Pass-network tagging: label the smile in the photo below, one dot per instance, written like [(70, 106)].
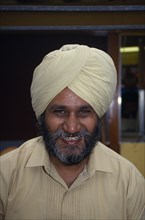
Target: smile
[(71, 138)]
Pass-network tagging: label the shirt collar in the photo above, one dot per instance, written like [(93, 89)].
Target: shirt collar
[(39, 155), (99, 159)]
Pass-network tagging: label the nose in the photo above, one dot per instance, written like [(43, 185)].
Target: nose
[(71, 124)]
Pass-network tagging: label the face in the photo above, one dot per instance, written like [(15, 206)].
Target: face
[(70, 128)]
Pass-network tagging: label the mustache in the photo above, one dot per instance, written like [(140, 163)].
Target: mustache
[(68, 156), (62, 134), (88, 137)]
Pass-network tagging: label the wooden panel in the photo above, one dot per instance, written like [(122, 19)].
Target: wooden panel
[(71, 18), (113, 50)]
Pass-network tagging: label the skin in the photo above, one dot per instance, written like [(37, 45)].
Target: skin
[(71, 114)]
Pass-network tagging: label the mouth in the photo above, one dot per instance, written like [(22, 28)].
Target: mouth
[(71, 140)]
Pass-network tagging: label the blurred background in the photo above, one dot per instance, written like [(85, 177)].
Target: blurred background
[(31, 28)]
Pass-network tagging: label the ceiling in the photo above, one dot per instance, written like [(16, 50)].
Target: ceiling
[(73, 2)]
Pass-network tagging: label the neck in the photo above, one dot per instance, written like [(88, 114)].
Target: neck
[(68, 173)]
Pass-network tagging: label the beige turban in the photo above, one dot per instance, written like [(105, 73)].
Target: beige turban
[(89, 72)]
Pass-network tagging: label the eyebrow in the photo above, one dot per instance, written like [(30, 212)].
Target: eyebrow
[(53, 107), (56, 106), (86, 107)]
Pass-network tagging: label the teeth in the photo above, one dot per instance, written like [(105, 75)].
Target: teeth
[(71, 138)]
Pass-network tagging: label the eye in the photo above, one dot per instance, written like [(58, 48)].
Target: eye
[(84, 112), (59, 112)]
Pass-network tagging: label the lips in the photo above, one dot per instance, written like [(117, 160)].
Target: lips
[(71, 140)]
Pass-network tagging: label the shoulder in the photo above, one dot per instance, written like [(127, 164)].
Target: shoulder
[(125, 177), (116, 162), (21, 154), (119, 170), (15, 161)]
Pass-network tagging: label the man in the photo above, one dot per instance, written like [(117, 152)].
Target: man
[(67, 173)]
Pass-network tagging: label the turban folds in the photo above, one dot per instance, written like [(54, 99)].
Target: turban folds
[(88, 72)]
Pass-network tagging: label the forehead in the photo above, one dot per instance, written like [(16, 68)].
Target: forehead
[(68, 98)]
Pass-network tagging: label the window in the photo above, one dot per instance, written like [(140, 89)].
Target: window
[(133, 88)]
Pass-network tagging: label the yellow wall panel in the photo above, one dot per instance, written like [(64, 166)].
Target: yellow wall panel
[(135, 152)]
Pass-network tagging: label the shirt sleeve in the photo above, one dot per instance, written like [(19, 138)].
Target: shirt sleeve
[(6, 174), (136, 195), (3, 193)]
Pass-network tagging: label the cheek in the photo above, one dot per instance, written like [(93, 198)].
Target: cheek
[(53, 124), (90, 125)]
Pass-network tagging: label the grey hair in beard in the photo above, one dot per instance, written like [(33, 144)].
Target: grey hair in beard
[(69, 158)]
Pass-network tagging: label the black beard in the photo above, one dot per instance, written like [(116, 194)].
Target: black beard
[(69, 156)]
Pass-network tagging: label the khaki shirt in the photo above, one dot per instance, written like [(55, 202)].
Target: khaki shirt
[(110, 187)]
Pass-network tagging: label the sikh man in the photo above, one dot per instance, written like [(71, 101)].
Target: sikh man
[(67, 173)]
